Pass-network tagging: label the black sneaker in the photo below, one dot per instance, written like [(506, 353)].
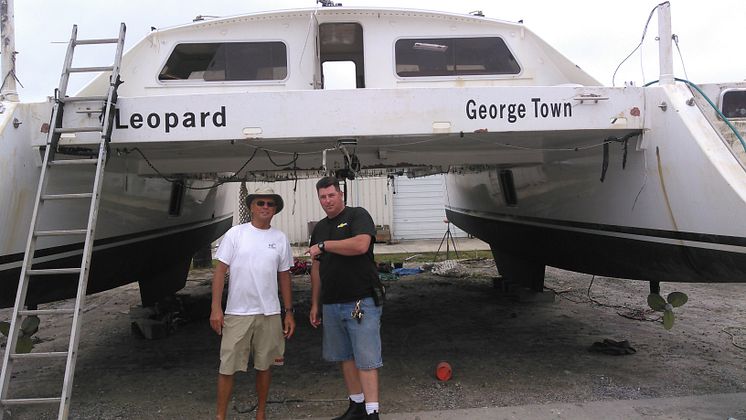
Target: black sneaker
[(356, 411), (373, 416)]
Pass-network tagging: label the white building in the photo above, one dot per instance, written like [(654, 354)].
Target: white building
[(412, 208)]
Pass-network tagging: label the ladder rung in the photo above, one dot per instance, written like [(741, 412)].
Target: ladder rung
[(90, 111), (60, 232), (27, 312), (73, 162), (84, 98), (96, 41), (52, 271), (43, 355), (78, 129), (90, 69), (66, 196), (26, 401)]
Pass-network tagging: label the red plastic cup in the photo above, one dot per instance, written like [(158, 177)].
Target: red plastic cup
[(443, 371)]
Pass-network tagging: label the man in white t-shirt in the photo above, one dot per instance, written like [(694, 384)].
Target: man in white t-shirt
[(259, 258)]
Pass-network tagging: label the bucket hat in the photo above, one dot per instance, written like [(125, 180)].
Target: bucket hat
[(266, 192)]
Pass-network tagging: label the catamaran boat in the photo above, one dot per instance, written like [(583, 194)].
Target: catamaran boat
[(542, 162)]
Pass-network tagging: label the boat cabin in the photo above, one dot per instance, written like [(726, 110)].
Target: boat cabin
[(342, 48)]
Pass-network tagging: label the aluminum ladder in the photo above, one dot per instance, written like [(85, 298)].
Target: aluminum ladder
[(52, 164)]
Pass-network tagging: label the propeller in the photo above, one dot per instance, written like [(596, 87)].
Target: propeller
[(673, 300)]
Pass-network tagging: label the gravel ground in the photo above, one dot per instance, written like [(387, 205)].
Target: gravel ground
[(505, 350)]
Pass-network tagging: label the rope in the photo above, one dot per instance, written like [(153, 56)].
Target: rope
[(644, 31), (733, 336), (172, 180), (244, 214)]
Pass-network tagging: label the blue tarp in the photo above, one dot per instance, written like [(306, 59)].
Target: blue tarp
[(407, 271)]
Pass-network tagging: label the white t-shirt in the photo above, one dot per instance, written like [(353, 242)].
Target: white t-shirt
[(254, 256)]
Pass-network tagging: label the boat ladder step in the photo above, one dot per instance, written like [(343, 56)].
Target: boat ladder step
[(61, 162), (90, 69), (29, 401), (84, 99), (96, 41), (40, 355), (66, 196), (67, 130), (60, 232), (35, 312), (53, 271)]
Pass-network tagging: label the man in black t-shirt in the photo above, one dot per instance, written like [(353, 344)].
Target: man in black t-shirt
[(343, 278)]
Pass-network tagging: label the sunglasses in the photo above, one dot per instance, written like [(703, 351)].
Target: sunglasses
[(261, 203)]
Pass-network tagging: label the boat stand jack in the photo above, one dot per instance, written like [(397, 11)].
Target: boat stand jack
[(447, 237)]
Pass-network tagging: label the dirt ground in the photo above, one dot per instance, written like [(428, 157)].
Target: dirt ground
[(504, 351)]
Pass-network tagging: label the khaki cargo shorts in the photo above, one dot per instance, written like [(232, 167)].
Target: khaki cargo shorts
[(258, 336)]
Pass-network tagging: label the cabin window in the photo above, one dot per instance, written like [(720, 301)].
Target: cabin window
[(421, 57), (733, 103), (227, 61)]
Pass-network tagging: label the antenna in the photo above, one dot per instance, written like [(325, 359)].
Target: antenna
[(8, 90), (200, 18), (328, 3)]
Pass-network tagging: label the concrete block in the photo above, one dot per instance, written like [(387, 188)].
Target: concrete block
[(148, 323), (152, 329)]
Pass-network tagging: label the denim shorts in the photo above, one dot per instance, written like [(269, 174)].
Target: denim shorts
[(346, 339)]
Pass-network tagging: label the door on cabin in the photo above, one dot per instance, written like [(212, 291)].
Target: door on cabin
[(341, 55)]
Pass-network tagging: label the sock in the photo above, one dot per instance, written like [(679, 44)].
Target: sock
[(358, 398), (371, 407)]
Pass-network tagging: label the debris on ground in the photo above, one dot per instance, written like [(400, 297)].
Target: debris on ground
[(387, 276), (612, 347), (449, 268), (300, 266), (384, 267)]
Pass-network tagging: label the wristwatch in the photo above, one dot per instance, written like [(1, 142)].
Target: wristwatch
[(321, 246), (288, 310)]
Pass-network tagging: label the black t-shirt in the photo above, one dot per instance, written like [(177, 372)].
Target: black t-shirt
[(346, 278)]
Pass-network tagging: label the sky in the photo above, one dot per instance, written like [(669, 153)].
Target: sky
[(595, 35)]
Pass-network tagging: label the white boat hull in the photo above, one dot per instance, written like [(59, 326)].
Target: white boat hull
[(658, 207), (136, 238), (669, 208)]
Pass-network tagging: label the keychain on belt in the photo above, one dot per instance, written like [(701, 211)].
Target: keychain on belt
[(357, 313)]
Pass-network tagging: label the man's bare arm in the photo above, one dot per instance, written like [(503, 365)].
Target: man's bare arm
[(357, 245), (218, 283), (315, 315), (286, 291)]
